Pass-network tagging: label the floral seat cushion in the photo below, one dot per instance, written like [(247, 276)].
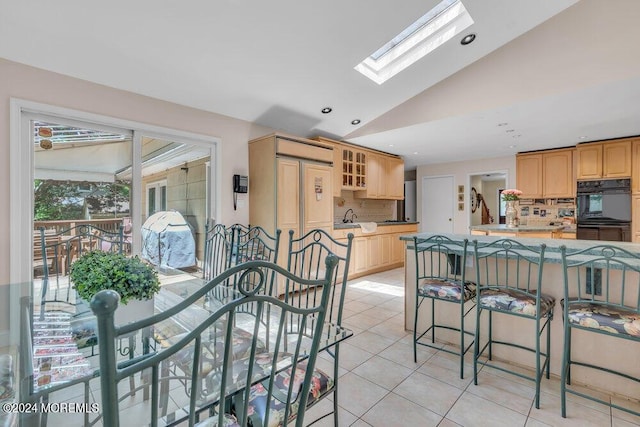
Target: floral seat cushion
[(447, 289), (213, 351), (516, 301), (229, 421), (612, 319), (321, 384)]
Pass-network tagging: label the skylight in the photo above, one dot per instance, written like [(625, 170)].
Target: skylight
[(446, 20)]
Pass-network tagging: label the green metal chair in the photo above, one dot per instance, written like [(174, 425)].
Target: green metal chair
[(229, 388), (509, 283), (305, 259), (440, 276), (601, 297), (218, 243)]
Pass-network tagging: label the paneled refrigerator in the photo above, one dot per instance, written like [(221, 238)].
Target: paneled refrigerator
[(290, 186)]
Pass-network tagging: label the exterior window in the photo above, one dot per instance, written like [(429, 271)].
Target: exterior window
[(156, 197)]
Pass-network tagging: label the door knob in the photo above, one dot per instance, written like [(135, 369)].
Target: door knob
[(449, 219)]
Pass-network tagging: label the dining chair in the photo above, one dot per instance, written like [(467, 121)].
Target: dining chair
[(509, 283), (602, 302), (306, 259), (441, 278), (218, 245), (58, 250), (285, 378)]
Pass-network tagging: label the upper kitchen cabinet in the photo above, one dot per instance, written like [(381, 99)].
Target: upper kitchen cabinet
[(635, 166), (354, 169), (547, 174), (337, 163), (385, 178), (611, 159), (558, 179), (529, 175), (395, 178)]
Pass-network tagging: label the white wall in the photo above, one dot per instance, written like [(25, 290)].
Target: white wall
[(461, 172)]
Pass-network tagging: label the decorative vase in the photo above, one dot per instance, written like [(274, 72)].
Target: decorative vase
[(511, 213)]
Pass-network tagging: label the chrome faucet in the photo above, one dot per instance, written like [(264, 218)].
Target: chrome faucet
[(353, 215)]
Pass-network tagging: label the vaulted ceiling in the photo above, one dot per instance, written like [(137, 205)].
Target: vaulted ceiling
[(540, 74)]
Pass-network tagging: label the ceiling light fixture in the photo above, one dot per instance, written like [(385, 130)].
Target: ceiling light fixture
[(355, 122), (326, 110), (415, 152), (583, 137), (512, 146), (468, 39), (445, 21)]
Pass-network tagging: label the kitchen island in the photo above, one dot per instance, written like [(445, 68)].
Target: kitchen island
[(606, 351), (535, 231)]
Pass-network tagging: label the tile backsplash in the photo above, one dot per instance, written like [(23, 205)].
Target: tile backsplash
[(366, 210), (545, 212)]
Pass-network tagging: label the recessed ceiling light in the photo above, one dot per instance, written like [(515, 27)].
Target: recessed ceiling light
[(415, 152), (326, 110), (390, 145), (512, 146), (502, 124), (355, 122), (583, 137), (469, 38)]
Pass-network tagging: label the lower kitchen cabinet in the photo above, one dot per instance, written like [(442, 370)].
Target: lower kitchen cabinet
[(380, 251), (359, 255)]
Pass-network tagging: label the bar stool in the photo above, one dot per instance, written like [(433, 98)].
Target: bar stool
[(509, 283), (440, 276), (601, 297)]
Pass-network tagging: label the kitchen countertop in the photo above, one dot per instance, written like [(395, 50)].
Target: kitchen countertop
[(343, 225), (519, 229)]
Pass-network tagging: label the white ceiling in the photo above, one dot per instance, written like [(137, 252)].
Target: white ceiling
[(554, 70)]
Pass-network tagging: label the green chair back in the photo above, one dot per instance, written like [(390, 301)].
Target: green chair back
[(226, 388)]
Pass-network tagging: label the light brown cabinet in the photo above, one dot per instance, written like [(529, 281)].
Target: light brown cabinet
[(635, 219), (558, 179), (395, 178), (547, 174), (385, 178), (611, 159), (635, 166), (529, 175), (378, 251), (354, 169), (369, 174)]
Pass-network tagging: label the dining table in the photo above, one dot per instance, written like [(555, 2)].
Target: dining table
[(59, 350)]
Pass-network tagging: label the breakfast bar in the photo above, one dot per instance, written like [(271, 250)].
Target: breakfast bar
[(603, 351)]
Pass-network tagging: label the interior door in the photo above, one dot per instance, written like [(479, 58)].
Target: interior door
[(437, 204), (318, 197)]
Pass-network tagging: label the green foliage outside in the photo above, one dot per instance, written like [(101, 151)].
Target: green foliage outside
[(63, 200), (129, 277)]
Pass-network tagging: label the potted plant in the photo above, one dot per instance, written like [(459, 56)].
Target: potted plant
[(129, 276)]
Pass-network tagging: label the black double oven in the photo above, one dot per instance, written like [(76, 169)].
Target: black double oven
[(604, 210)]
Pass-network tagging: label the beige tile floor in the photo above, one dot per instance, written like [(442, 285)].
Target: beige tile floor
[(380, 385)]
